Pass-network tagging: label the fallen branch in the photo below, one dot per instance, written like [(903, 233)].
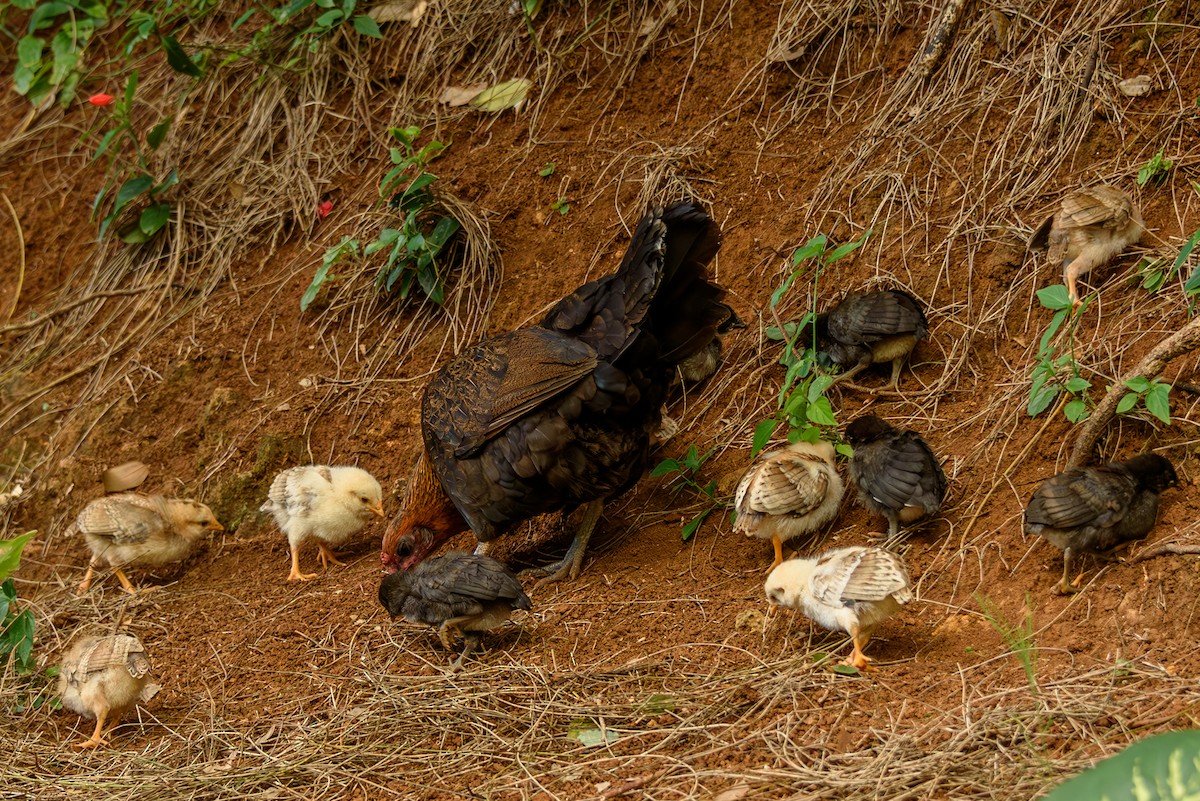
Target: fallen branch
[(1167, 548), (1185, 340)]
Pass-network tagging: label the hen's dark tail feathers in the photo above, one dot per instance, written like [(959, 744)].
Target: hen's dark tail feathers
[(661, 287)]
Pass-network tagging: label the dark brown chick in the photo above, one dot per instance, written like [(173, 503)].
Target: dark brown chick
[(101, 677), (1098, 509), (560, 415), (867, 328), (462, 594), (1091, 227), (895, 471), (703, 363), (133, 530)]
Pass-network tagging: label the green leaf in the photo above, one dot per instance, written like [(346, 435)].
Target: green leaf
[(1056, 322), (159, 132), (329, 19), (814, 247), (29, 51), (845, 449), (387, 238), (1055, 297), (1158, 402), (664, 467), (845, 670), (1128, 402), (1076, 384), (1075, 410), (691, 459), (131, 190), (690, 528), (106, 141), (65, 56), (1193, 282), (845, 250), (1163, 767), (589, 735), (405, 136), (171, 180), (820, 412), (1041, 399), (1138, 383), (178, 59), (548, 170), (367, 26), (762, 435), (431, 283), (10, 554), (442, 232), (154, 217), (509, 94)]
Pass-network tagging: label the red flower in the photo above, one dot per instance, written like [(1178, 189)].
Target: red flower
[(324, 209), (101, 99)]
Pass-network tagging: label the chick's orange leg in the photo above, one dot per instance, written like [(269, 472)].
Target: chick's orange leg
[(125, 582), (87, 579), (296, 575), (858, 659), (327, 556), (778, 543), (96, 738)]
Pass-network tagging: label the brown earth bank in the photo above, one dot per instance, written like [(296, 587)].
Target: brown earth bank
[(659, 673)]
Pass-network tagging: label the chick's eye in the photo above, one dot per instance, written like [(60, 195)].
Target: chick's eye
[(365, 500)]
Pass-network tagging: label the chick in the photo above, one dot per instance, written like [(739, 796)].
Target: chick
[(101, 677), (464, 594), (896, 473), (704, 362), (1090, 228), (867, 328), (788, 492), (850, 589), (1096, 509), (129, 529), (329, 503)]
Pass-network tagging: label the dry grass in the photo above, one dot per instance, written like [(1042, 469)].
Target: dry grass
[(259, 148)]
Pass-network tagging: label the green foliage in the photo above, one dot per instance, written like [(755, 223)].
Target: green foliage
[(1155, 169), (1192, 286), (330, 15), (1154, 394), (548, 170), (49, 55), (688, 470), (1017, 636), (562, 206), (1164, 767), (16, 627), (425, 229), (1057, 371), (802, 405)]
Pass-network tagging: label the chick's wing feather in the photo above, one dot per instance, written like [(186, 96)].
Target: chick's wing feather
[(782, 486), (1096, 496), (123, 519), (869, 317), (1100, 206)]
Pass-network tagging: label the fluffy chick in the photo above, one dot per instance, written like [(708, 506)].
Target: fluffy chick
[(101, 677), (1091, 227), (704, 362), (867, 328), (850, 589), (462, 594), (895, 471), (328, 503), (129, 529), (788, 492), (1097, 509)]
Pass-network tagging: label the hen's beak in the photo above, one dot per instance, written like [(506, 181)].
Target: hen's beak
[(378, 510)]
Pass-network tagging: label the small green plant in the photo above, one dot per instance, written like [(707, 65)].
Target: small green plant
[(1163, 767), (324, 274), (688, 470), (548, 170), (1017, 636), (802, 404), (16, 627), (1056, 372), (1155, 169), (562, 206), (43, 70), (1154, 394)]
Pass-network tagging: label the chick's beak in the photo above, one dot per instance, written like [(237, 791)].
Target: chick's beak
[(216, 525), (377, 509)]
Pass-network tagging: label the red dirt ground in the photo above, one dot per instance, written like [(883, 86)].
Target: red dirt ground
[(228, 395)]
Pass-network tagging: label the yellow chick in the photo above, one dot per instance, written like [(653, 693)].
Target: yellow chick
[(328, 503), (129, 529), (101, 677), (1090, 228), (787, 492), (850, 589)]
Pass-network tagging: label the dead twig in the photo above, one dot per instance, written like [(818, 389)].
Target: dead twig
[(1164, 549), (1185, 340)]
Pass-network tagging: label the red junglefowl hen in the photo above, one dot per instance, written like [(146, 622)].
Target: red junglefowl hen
[(895, 471), (1090, 229), (462, 593), (560, 415), (867, 328), (1097, 509)]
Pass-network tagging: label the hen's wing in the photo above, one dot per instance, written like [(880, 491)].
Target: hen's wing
[(860, 574), (1093, 496)]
